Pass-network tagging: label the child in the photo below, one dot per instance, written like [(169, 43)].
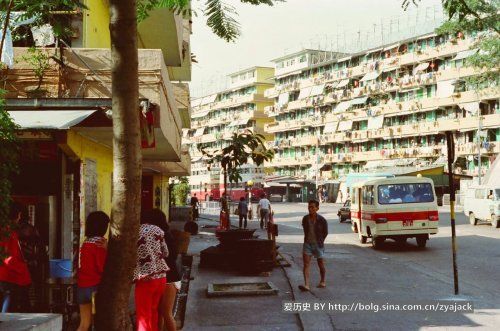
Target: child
[(92, 260)]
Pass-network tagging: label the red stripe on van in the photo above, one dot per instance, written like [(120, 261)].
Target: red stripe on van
[(400, 216)]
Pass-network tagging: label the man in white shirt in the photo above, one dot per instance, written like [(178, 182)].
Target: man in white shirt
[(265, 210)]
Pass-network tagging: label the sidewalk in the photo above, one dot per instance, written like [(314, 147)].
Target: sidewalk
[(233, 313)]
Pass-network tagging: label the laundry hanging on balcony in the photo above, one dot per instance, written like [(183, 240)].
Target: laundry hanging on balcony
[(445, 88), (421, 67)]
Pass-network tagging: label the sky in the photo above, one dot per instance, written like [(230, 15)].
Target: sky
[(270, 32)]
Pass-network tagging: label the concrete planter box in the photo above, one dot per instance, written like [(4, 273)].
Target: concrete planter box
[(241, 289)]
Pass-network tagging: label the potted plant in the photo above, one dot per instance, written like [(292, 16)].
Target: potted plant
[(39, 61)]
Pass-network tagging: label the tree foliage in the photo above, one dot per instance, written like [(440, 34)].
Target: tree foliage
[(180, 192), (242, 147), (54, 12)]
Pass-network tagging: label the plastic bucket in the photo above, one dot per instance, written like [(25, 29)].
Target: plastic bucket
[(61, 268)]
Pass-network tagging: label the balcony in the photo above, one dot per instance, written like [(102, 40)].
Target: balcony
[(472, 149)]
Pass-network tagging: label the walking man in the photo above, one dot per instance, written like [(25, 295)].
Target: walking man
[(194, 206), (243, 212), (315, 232), (265, 210)]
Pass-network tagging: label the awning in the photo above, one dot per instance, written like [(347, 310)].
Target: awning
[(56, 119), (370, 76), (445, 88), (305, 92), (200, 114), (343, 59), (345, 126), (420, 67), (331, 85), (465, 54), (330, 127), (208, 99), (196, 102), (342, 107), (296, 72), (375, 122), (359, 101), (317, 90), (240, 122), (471, 107), (342, 83), (391, 68), (391, 47), (374, 50), (199, 132), (283, 99)]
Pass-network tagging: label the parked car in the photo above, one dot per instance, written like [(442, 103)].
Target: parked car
[(345, 211), (483, 203)]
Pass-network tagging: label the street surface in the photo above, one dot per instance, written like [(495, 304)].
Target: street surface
[(357, 273)]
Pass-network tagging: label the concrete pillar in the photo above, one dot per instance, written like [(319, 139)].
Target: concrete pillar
[(287, 193)]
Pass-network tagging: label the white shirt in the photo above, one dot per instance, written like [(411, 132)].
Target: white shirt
[(264, 204)]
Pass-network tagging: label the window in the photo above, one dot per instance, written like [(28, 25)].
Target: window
[(480, 194), (405, 193), (302, 59), (368, 196)]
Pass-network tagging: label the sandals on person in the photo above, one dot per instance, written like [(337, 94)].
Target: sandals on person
[(303, 288), (321, 285)]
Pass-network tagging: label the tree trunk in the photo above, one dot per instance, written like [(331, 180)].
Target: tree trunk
[(114, 290), (5, 26)]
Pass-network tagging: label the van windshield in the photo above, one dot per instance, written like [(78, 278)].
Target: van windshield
[(405, 193), (497, 194)]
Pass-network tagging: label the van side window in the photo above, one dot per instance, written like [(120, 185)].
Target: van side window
[(353, 195), (368, 195), (480, 193)]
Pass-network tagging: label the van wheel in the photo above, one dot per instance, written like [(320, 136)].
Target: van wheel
[(494, 221), (341, 219), (377, 242), (421, 241), (362, 239), (472, 219)]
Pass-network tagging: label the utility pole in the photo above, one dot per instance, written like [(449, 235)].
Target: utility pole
[(451, 156), (479, 129)]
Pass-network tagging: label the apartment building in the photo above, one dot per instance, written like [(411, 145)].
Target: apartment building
[(380, 108), (216, 117)]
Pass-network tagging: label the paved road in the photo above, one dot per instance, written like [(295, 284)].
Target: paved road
[(356, 272)]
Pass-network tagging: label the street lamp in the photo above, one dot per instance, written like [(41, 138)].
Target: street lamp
[(250, 184)]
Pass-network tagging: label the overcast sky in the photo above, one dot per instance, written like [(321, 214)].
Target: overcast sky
[(270, 32)]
